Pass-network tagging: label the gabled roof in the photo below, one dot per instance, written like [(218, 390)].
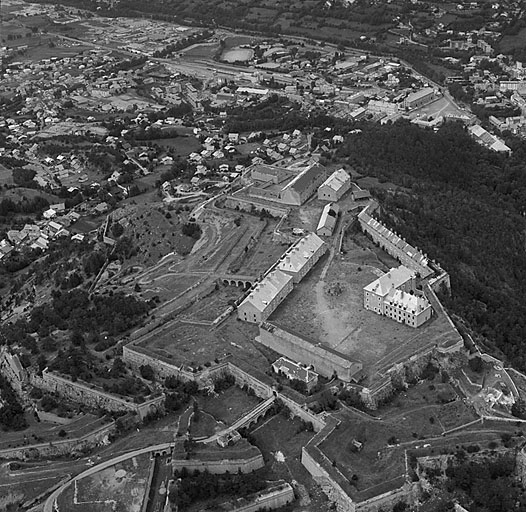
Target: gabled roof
[(336, 180), (300, 253), (395, 278), (267, 289), (293, 370), (408, 249), (302, 181), (327, 220), (413, 303)]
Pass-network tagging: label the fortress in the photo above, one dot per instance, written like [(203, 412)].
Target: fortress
[(394, 245), (324, 359)]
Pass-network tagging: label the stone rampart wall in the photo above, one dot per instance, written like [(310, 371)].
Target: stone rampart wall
[(324, 361), (83, 393), (60, 447), (331, 488), (220, 466), (274, 500), (406, 493), (302, 412), (250, 206)]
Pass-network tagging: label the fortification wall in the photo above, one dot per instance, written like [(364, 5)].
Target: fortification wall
[(60, 447), (406, 493), (220, 466), (249, 206), (441, 281), (454, 343), (274, 499), (135, 356), (331, 488), (244, 378), (399, 376), (298, 349), (83, 393), (302, 412)]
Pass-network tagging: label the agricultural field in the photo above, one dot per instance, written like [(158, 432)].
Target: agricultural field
[(182, 145), (508, 43), (119, 488)]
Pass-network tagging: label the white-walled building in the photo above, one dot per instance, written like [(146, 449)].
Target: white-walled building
[(335, 186), (302, 256), (265, 297), (295, 371), (407, 308), (328, 219), (394, 295)]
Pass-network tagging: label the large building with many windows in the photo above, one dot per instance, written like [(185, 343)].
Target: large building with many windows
[(395, 295), (302, 256), (265, 297)]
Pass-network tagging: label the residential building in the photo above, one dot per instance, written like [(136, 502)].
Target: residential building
[(335, 186), (328, 219), (302, 256), (394, 295), (295, 371), (265, 297)]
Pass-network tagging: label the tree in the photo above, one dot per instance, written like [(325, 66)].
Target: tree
[(117, 230), (147, 372)]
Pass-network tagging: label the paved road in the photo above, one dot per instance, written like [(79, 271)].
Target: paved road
[(49, 504)]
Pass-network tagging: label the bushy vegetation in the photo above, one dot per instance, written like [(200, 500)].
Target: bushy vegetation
[(11, 411), (192, 229), (178, 393), (224, 382), (190, 488), (75, 310), (486, 485)]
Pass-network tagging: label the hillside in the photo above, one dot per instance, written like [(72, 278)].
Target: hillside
[(464, 206)]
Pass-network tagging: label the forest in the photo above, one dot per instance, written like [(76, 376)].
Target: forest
[(464, 206), (484, 485)]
